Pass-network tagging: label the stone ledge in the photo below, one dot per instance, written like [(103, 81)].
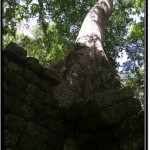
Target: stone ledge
[(19, 55)]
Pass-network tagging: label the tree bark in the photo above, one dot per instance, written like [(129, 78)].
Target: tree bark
[(86, 71), (92, 31)]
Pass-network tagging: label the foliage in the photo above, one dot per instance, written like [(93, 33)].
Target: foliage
[(133, 68), (135, 79), (45, 48)]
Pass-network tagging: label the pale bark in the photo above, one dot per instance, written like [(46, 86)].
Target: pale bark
[(92, 31), (86, 70)]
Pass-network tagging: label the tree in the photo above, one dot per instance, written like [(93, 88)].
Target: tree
[(86, 71), (68, 16), (133, 68)]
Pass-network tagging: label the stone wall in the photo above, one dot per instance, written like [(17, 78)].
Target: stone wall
[(33, 120)]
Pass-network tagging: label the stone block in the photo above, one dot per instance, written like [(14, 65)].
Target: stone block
[(132, 141), (35, 102), (55, 113), (23, 109), (8, 102), (13, 48), (57, 127), (51, 75), (37, 131), (40, 119), (31, 88), (12, 149), (31, 77), (14, 123), (46, 85), (112, 97), (15, 67), (44, 135), (15, 79), (11, 139), (49, 100), (83, 138), (130, 124), (114, 114), (121, 110), (109, 146), (5, 86), (35, 90), (5, 61), (33, 64), (16, 92), (29, 143), (55, 140), (82, 125)]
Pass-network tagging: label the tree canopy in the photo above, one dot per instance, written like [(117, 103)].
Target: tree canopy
[(58, 24)]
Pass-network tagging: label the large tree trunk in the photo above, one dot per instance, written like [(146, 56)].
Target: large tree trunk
[(86, 70), (92, 30)]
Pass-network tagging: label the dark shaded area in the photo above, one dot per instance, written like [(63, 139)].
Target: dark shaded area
[(34, 120)]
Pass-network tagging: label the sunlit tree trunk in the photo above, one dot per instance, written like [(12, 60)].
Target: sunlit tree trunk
[(92, 31), (86, 70)]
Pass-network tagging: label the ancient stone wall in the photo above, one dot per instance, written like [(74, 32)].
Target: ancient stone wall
[(33, 120)]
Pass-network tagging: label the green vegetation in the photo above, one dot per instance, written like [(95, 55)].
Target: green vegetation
[(59, 23)]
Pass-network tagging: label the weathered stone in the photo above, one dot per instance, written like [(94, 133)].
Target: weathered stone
[(11, 139), (5, 86), (114, 114), (22, 109), (82, 125), (14, 123), (15, 49), (12, 149), (65, 96), (112, 97), (83, 138), (118, 112), (5, 61), (35, 90), (13, 66), (55, 113), (51, 75), (39, 118), (49, 100), (8, 102), (31, 77), (15, 79), (29, 143), (16, 92), (31, 88), (3, 71), (86, 104), (35, 102), (133, 141), (37, 131), (112, 145), (33, 64), (141, 118), (57, 127), (15, 53), (46, 86), (44, 135), (128, 125), (83, 110)]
